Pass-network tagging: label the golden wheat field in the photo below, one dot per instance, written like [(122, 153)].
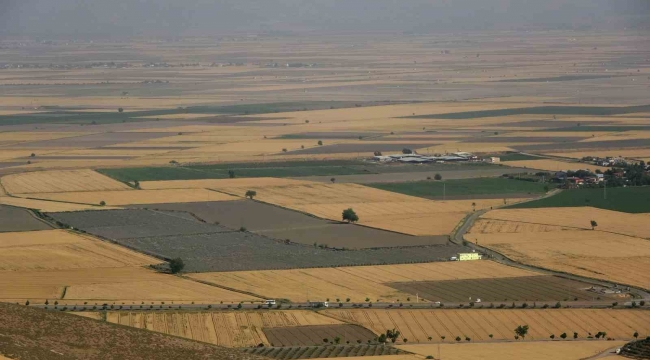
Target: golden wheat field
[(126, 284), (595, 254), (629, 153), (230, 329), (418, 325), (50, 206), (577, 218), (59, 181), (541, 350), (356, 283), (60, 249), (376, 208), (220, 184), (117, 198)]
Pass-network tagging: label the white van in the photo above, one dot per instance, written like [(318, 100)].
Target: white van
[(269, 302)]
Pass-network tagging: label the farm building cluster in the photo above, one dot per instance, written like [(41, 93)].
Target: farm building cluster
[(411, 157)]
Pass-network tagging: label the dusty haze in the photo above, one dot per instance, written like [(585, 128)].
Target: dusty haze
[(87, 18)]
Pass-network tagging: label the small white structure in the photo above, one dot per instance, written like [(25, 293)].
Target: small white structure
[(469, 256), (493, 160), (269, 302)]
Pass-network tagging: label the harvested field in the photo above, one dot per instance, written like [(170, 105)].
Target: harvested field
[(418, 325), (36, 334), (554, 165), (59, 249), (15, 219), (208, 247), (577, 218), (50, 206), (230, 329), (535, 288), (127, 284), (59, 181), (594, 254), (314, 334), (219, 184), (93, 140), (356, 283), (406, 214), (282, 224), (362, 147), (118, 198), (361, 352), (556, 350)]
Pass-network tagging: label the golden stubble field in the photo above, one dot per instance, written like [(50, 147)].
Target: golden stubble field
[(418, 325), (556, 350), (561, 239), (356, 283), (59, 181)]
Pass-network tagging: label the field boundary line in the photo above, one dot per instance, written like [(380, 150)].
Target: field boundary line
[(205, 282)]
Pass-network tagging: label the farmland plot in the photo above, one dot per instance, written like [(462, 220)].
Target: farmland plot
[(59, 249), (96, 285), (282, 224), (209, 247), (360, 352), (594, 254), (535, 288), (230, 329), (376, 208), (570, 350), (50, 206), (15, 219), (314, 334), (59, 181), (418, 325), (356, 283), (117, 198)]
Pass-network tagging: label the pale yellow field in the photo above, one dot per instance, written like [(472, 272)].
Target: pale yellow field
[(383, 357), (543, 350), (376, 208), (554, 165), (60, 249), (626, 135), (578, 217), (117, 198), (126, 284), (418, 325), (230, 329), (595, 254), (19, 136), (219, 184), (356, 283), (50, 206), (59, 181)]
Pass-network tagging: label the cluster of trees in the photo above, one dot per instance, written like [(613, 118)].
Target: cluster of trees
[(630, 175)]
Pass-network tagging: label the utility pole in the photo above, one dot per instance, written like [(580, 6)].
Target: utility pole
[(444, 191)]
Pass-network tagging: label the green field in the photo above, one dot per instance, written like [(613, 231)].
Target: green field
[(515, 157), (629, 199), (478, 186)]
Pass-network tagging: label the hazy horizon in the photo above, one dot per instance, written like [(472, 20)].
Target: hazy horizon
[(124, 18)]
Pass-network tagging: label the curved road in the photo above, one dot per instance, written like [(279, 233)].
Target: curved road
[(459, 237)]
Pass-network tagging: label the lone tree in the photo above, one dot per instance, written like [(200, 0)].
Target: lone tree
[(120, 110), (231, 174), (563, 336), (593, 224), (350, 216), (176, 265), (251, 194), (438, 177), (320, 142), (522, 330), (333, 180), (407, 151), (473, 206)]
